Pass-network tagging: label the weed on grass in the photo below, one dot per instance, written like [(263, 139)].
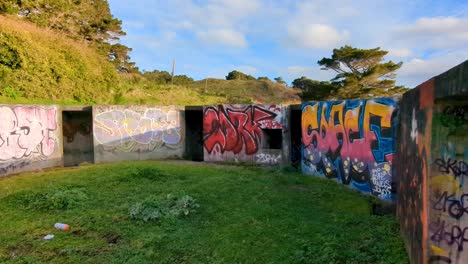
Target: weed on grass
[(154, 208), (54, 199)]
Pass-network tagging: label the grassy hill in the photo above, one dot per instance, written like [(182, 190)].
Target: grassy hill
[(38, 65)]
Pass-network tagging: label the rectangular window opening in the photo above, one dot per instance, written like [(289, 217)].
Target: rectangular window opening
[(273, 138)]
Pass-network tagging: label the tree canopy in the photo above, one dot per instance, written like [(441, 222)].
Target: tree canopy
[(362, 72), (90, 21), (237, 75), (313, 90)]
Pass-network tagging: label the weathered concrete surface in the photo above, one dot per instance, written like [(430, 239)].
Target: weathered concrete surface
[(30, 138), (352, 142), (431, 167), (138, 133), (249, 134)]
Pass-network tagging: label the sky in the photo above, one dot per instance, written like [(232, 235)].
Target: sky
[(210, 38)]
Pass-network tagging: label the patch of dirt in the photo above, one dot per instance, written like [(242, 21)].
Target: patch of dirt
[(112, 238), (20, 250)]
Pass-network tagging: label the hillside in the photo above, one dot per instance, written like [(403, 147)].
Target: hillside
[(39, 65)]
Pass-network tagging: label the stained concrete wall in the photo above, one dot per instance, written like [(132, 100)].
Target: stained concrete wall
[(431, 168), (351, 142), (138, 133), (30, 138), (244, 133)]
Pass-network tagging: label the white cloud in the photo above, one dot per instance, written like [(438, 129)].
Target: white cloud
[(400, 52), (418, 70), (225, 37), (317, 35), (297, 71), (436, 32)]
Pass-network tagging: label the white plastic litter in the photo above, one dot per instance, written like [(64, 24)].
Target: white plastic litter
[(49, 237)]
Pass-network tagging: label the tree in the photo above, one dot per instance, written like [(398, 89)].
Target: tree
[(362, 72), (264, 78), (313, 90), (158, 77), (91, 21), (182, 80), (237, 75), (280, 80)]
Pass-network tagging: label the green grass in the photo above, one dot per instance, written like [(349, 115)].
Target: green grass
[(245, 215)]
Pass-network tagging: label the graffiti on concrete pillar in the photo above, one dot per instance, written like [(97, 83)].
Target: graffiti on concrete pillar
[(127, 130), (351, 141), (27, 132)]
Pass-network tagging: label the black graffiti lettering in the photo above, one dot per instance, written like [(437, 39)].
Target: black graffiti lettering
[(456, 208), (452, 166), (454, 235)]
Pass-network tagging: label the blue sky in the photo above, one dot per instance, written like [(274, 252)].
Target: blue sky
[(209, 38)]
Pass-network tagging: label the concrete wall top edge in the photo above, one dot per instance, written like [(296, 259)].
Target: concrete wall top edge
[(453, 82)]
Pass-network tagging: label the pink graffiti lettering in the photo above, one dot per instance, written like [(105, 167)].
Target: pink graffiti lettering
[(26, 131)]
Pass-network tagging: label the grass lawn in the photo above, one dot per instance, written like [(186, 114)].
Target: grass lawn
[(245, 215)]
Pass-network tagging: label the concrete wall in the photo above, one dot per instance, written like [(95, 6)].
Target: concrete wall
[(431, 167), (352, 142), (138, 132), (30, 138), (235, 133)]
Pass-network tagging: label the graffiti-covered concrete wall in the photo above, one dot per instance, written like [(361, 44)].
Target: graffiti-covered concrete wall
[(352, 142), (411, 167), (30, 138), (243, 133), (431, 168), (137, 132)]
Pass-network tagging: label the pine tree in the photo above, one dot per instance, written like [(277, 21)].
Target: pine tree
[(362, 72)]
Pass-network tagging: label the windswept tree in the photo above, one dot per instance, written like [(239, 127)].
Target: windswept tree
[(362, 72)]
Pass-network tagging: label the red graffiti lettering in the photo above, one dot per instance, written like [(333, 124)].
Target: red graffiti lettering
[(237, 129)]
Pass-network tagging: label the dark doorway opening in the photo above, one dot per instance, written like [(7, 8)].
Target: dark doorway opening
[(296, 134), (194, 133), (77, 137)]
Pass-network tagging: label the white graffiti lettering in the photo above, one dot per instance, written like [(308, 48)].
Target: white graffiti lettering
[(115, 128)]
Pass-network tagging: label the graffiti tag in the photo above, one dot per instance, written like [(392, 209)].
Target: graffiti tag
[(237, 129), (27, 132), (268, 159), (454, 206), (452, 235), (115, 128), (452, 166)]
